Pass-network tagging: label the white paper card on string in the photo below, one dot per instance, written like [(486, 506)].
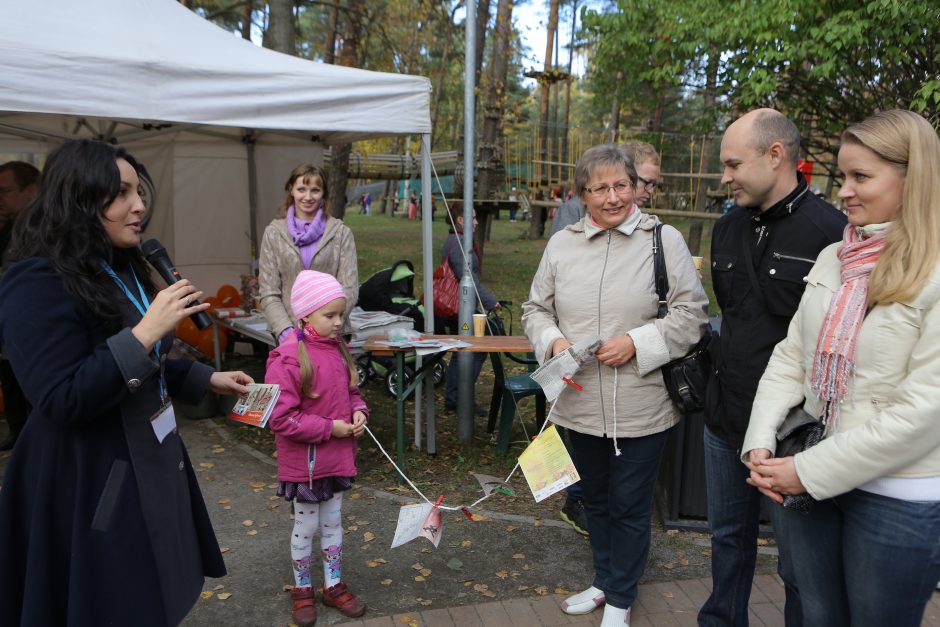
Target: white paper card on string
[(419, 520), (163, 422), (552, 374)]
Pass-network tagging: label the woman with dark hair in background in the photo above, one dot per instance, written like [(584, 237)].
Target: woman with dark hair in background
[(101, 518), (304, 237)]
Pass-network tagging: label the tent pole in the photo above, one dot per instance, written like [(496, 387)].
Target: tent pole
[(466, 383), (427, 217)]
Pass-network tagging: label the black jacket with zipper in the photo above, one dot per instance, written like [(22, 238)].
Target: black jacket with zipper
[(784, 242)]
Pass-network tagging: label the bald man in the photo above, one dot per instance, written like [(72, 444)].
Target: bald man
[(762, 250), (19, 186)]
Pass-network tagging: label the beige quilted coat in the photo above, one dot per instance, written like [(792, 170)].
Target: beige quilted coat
[(280, 265)]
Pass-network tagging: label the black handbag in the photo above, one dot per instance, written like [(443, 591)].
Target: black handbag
[(798, 432), (686, 378)]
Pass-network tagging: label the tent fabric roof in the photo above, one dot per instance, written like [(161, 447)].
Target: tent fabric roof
[(157, 61)]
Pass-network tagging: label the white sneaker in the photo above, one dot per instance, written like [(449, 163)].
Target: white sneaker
[(583, 602), (616, 617)]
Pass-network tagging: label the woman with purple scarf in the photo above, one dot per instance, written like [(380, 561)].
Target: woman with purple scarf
[(860, 513), (304, 237)]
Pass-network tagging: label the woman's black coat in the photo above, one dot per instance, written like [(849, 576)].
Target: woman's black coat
[(100, 524)]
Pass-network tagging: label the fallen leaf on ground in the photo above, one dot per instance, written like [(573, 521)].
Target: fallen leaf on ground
[(352, 528), (672, 532), (522, 588), (426, 550), (219, 587), (518, 556), (669, 566), (273, 486), (409, 621), (481, 587), (249, 522), (253, 532), (223, 501), (355, 495), (224, 549), (273, 498), (667, 594), (374, 563), (273, 506), (466, 544), (419, 578), (510, 528), (207, 594), (288, 587), (386, 582), (454, 564), (417, 566), (368, 536), (562, 591), (541, 590), (206, 465), (526, 567), (257, 484), (224, 595), (425, 571), (502, 574), (424, 602), (684, 562), (538, 522), (218, 449), (479, 517)]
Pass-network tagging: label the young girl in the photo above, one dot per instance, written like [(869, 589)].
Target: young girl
[(317, 419)]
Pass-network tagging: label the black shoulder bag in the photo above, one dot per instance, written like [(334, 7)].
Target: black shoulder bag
[(686, 378)]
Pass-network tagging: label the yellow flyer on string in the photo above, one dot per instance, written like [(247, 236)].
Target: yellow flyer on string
[(547, 466)]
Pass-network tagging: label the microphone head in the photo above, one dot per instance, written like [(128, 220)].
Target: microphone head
[(152, 247)]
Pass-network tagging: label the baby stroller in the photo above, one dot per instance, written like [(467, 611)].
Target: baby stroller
[(392, 290)]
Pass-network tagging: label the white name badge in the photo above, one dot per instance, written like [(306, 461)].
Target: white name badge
[(163, 422)]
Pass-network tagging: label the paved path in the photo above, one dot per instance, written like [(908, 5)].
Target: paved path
[(659, 604), (517, 569)]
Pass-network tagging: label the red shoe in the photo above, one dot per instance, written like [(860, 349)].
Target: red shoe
[(345, 601), (305, 606)]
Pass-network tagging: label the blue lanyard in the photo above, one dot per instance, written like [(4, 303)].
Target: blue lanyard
[(142, 308)]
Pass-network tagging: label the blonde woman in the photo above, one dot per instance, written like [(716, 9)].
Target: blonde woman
[(304, 237), (863, 354)]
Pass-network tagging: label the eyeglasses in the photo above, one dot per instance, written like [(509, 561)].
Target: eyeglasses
[(601, 191), (650, 185)]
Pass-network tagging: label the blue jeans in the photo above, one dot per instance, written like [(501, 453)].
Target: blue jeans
[(862, 559), (618, 501), (451, 378), (733, 518)]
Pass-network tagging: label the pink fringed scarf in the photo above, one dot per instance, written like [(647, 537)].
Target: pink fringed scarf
[(836, 348)]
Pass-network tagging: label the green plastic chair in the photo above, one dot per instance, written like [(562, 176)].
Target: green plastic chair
[(506, 393)]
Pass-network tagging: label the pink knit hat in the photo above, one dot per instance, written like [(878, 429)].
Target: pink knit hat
[(312, 290)]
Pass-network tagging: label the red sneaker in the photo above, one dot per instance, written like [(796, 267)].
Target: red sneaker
[(305, 606), (345, 601)]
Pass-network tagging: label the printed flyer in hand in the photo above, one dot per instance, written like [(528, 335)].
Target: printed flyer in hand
[(254, 408)]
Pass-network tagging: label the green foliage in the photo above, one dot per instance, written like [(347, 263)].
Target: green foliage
[(824, 63)]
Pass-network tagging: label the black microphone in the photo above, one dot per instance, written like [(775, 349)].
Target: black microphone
[(158, 258)]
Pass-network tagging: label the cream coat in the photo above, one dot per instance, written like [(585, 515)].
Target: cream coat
[(890, 424), (593, 281), (280, 264)]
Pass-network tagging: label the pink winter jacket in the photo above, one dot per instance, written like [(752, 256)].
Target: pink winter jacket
[(306, 448)]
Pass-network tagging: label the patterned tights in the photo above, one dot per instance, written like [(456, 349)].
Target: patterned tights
[(308, 517)]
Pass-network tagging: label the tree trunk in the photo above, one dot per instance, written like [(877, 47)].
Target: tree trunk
[(348, 56), (564, 145), (537, 224), (483, 18), (615, 112), (280, 33), (490, 155), (329, 44), (701, 193), (247, 9)]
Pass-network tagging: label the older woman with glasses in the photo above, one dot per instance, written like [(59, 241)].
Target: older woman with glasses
[(596, 278)]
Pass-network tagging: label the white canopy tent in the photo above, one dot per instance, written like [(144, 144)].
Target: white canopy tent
[(218, 121)]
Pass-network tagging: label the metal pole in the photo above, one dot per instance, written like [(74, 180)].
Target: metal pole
[(465, 409), (428, 275)]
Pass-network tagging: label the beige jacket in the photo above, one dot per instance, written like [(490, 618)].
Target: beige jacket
[(600, 282), (890, 424), (280, 264)]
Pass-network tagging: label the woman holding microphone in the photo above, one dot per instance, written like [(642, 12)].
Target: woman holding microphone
[(101, 518)]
